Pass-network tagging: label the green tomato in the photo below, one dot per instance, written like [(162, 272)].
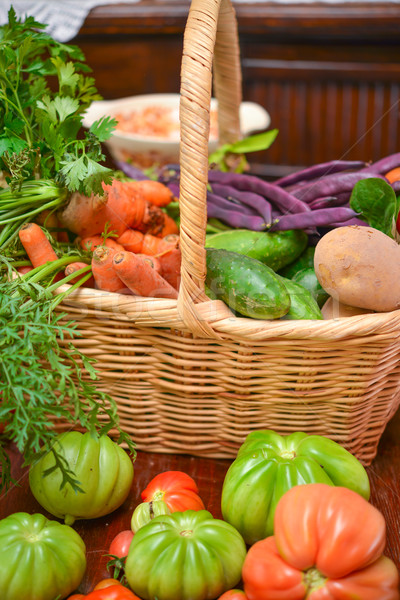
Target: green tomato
[(103, 468), (185, 556), (39, 559), (146, 511), (267, 465)]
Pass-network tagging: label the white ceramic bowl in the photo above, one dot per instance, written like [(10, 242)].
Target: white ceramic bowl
[(148, 149)]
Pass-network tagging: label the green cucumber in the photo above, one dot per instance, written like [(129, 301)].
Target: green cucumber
[(302, 304), (276, 248), (303, 261), (308, 279), (246, 285)]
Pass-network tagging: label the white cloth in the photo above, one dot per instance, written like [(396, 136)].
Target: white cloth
[(64, 18)]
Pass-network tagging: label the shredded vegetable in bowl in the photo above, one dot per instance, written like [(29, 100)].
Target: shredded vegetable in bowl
[(157, 121)]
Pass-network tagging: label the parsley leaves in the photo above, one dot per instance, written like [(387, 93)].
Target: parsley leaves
[(44, 92)]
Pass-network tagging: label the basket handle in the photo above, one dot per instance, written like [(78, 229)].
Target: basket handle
[(210, 36)]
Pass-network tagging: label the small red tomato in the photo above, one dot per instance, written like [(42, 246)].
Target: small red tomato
[(398, 223), (233, 595), (106, 583), (177, 489), (120, 544), (76, 597), (112, 592)]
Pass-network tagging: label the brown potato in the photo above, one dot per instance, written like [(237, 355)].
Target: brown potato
[(359, 266), (332, 309)]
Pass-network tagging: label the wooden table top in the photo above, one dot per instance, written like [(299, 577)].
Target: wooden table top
[(384, 474)]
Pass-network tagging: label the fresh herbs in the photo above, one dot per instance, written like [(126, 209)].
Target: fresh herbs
[(44, 92)]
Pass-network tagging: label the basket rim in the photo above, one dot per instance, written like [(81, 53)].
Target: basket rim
[(161, 313)]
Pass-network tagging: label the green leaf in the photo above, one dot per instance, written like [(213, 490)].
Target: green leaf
[(74, 172), (67, 76), (103, 128), (254, 143), (11, 144), (375, 201), (58, 109), (96, 174)]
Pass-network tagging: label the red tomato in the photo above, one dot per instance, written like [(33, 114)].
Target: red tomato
[(76, 597), (120, 544), (106, 583), (178, 490), (327, 543), (233, 595), (112, 592)]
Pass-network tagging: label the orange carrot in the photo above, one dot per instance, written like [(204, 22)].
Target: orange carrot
[(93, 241), (170, 263), (48, 219), (152, 260), (169, 226), (393, 175), (131, 240), (62, 234), (24, 270), (135, 241), (104, 274), (36, 244), (140, 277), (154, 192), (111, 243), (122, 207), (84, 215), (76, 266), (90, 242), (154, 245), (126, 208)]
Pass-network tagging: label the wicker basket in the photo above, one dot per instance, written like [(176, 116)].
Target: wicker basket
[(190, 377)]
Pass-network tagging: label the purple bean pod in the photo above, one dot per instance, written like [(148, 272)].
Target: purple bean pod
[(384, 165), (257, 204), (320, 170), (286, 202), (332, 185), (174, 187), (396, 186), (339, 200), (354, 221), (234, 218), (228, 204), (131, 170), (316, 218), (169, 173)]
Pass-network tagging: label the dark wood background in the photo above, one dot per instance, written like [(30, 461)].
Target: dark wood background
[(329, 75)]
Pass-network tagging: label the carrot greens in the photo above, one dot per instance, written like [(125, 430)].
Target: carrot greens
[(45, 156)]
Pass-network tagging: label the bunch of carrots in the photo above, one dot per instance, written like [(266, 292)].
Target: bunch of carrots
[(142, 257)]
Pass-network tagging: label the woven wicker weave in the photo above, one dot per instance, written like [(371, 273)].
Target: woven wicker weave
[(190, 377)]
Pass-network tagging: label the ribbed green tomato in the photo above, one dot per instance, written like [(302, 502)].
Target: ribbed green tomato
[(185, 556), (39, 559), (104, 470), (146, 511), (268, 464)]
